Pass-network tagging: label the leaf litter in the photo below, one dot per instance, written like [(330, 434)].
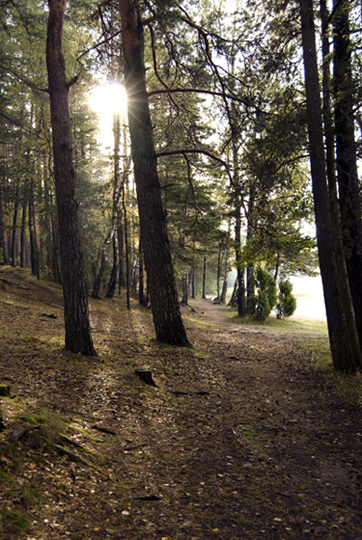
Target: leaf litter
[(238, 439)]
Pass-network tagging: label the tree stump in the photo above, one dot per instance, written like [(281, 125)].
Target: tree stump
[(4, 390), (146, 376)]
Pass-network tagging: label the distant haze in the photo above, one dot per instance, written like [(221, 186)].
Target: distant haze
[(308, 292), (310, 300)]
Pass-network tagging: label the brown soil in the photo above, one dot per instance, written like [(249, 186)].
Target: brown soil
[(238, 439)]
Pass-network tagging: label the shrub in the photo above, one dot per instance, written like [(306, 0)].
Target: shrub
[(266, 297), (287, 303)]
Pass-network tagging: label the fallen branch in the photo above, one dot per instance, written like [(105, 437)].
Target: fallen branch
[(135, 446), (104, 430), (73, 457), (148, 498)]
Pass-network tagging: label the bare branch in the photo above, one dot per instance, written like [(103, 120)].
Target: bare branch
[(72, 81), (158, 76), (191, 185)]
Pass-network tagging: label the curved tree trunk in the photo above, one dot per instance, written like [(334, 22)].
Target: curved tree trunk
[(78, 337), (161, 281)]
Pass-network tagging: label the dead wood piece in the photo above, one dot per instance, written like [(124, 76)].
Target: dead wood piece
[(51, 316), (135, 446), (148, 498), (18, 434), (179, 393), (145, 376), (104, 430), (73, 457)]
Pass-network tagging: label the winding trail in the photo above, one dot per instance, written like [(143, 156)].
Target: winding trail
[(238, 440)]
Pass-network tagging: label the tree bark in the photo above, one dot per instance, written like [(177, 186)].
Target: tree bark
[(78, 337), (343, 355), (161, 281)]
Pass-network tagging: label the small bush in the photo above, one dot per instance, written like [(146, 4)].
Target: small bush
[(287, 303), (266, 297)]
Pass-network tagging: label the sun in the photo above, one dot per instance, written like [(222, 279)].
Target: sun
[(105, 100)]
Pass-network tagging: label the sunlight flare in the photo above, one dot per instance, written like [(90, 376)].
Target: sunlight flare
[(106, 100)]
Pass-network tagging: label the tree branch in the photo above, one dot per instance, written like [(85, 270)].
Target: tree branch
[(200, 91), (195, 151), (94, 47)]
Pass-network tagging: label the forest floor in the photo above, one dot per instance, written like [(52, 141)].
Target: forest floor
[(239, 439)]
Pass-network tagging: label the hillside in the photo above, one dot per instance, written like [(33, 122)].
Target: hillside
[(237, 440)]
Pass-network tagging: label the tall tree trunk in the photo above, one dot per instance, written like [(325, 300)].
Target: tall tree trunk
[(141, 286), (332, 183), (122, 261), (104, 259), (34, 252), (193, 275), (55, 249), (161, 281), (348, 183), (204, 274), (345, 357), (126, 246), (234, 296), (23, 235), (15, 221), (115, 267), (76, 312), (185, 291), (240, 293), (117, 192), (218, 277), (3, 250)]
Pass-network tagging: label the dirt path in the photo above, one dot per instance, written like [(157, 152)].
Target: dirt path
[(237, 440)]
